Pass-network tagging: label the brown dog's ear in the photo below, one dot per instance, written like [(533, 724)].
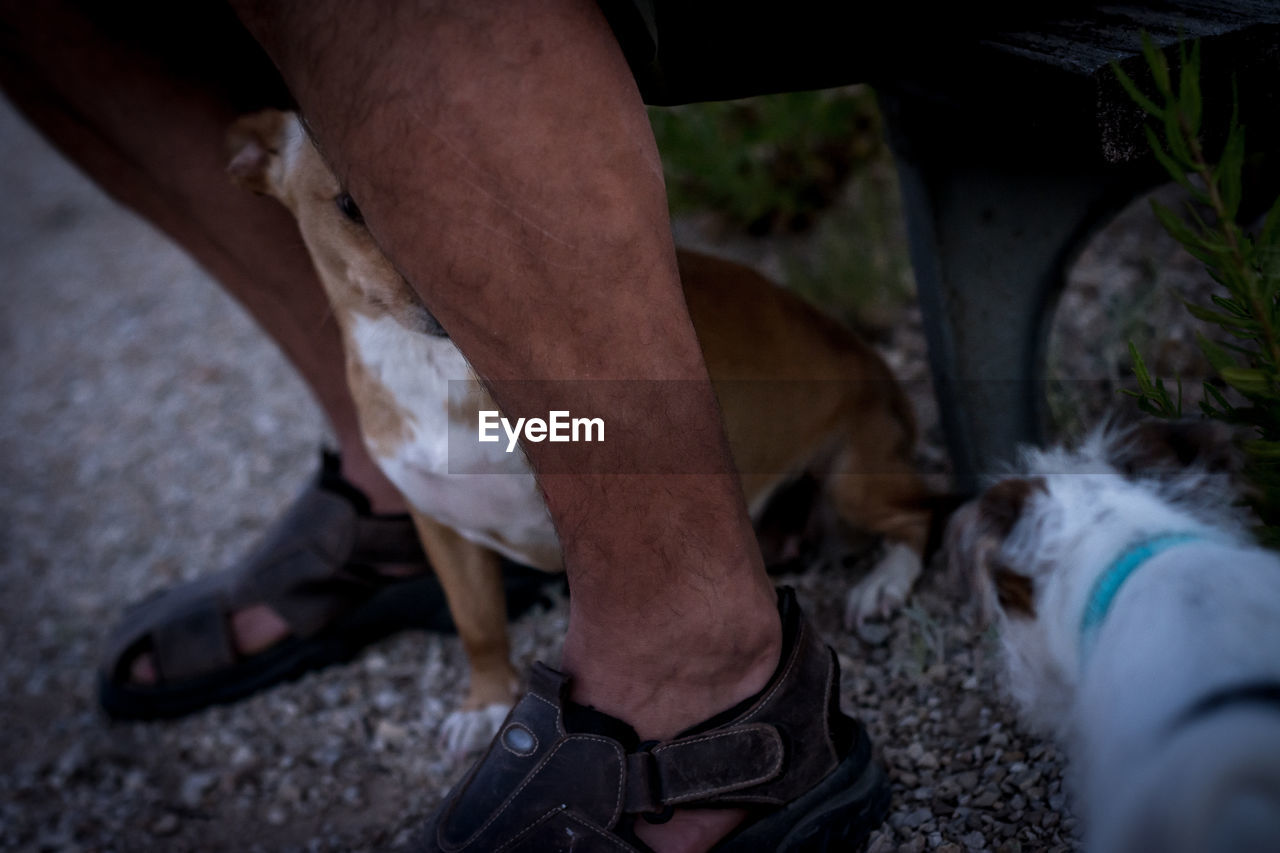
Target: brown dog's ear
[(252, 142), (1161, 447), (974, 540), (1001, 506), (1014, 591), (999, 509)]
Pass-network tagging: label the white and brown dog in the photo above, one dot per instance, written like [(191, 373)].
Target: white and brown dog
[(1141, 626), (854, 444)]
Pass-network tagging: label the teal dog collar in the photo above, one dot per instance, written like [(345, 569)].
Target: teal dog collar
[(1107, 586)]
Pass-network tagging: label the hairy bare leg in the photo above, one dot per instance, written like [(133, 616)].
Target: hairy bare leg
[(503, 159)]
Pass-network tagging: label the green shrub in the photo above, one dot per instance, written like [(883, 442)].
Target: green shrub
[(766, 164), (1245, 352)]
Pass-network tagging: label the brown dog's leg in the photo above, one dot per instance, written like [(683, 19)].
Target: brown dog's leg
[(472, 579), (874, 486)]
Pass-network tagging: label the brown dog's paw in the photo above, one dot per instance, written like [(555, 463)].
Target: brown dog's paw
[(253, 143)]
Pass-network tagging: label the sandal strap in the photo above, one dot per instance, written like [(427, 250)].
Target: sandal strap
[(386, 539), (320, 556), (541, 786), (703, 768), (311, 564), (194, 642)]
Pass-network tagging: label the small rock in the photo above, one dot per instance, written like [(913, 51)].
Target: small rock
[(166, 824), (916, 819), (874, 633), (242, 757), (389, 735), (289, 791), (1027, 779), (986, 799), (194, 787), (71, 761)]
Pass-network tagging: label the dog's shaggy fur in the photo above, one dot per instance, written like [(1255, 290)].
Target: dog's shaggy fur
[(1168, 752)]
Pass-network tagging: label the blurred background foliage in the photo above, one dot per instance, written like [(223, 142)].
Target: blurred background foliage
[(805, 174)]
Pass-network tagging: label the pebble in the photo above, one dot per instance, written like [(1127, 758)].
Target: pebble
[(986, 799), (389, 735), (913, 819), (194, 787), (166, 824)]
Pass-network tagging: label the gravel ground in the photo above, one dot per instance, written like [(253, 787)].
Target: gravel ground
[(149, 433)]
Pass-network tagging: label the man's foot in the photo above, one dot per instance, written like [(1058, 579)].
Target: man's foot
[(785, 765), (327, 579)]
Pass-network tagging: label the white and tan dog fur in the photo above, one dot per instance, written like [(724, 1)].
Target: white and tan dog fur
[(1141, 628), (400, 366)]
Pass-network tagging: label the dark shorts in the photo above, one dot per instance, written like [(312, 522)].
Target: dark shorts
[(682, 51)]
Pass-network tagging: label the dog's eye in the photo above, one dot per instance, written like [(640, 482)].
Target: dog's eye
[(347, 205)]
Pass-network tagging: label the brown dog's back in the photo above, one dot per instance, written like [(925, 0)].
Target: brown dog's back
[(802, 395)]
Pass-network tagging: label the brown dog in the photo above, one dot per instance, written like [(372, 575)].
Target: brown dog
[(810, 404)]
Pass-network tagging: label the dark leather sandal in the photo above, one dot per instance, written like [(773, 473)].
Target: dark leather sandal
[(563, 777), (322, 567)]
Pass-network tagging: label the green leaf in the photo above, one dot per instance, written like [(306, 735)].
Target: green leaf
[(1175, 224), (1230, 306), (1172, 166), (1227, 321), (1230, 167), (1131, 88), (1219, 398), (1261, 448), (1189, 86), (1218, 357), (1139, 367), (1246, 380), (1175, 138), (1158, 64)]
